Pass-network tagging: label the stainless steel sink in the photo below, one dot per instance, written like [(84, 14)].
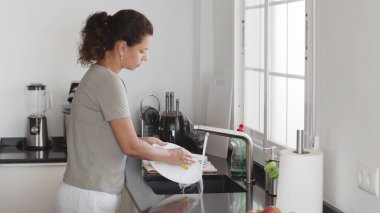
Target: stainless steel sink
[(211, 184)]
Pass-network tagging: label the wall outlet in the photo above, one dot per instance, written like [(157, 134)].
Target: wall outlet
[(369, 179)]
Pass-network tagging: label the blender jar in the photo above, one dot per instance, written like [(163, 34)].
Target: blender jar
[(38, 99)]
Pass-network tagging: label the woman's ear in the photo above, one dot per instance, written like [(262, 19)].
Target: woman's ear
[(121, 48)]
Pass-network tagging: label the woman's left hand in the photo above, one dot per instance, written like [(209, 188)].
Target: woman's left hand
[(154, 140), (158, 142)]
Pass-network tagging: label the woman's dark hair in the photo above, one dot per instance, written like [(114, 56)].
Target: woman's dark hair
[(102, 31)]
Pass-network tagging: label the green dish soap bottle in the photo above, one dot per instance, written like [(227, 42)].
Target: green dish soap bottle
[(238, 156)]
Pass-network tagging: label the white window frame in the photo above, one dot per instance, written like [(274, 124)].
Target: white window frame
[(309, 116)]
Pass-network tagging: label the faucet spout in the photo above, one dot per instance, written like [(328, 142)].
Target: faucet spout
[(234, 134)]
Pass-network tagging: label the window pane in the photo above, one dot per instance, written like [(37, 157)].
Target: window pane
[(252, 100), (277, 41), (296, 100), (262, 102), (286, 55), (296, 38), (253, 38), (277, 110), (253, 2), (262, 42)]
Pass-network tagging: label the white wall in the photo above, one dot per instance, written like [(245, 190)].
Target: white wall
[(213, 49), (348, 103), (203, 56), (39, 42)]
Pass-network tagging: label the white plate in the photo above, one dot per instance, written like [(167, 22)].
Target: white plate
[(175, 172)]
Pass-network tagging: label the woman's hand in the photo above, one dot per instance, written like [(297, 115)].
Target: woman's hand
[(181, 156), (177, 156), (154, 140), (158, 141)]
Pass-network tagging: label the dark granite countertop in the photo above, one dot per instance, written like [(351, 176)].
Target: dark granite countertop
[(12, 150), (145, 200)]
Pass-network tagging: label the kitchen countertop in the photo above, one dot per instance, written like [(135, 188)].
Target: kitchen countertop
[(145, 200), (12, 151)]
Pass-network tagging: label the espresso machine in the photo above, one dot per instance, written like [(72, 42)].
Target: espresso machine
[(39, 101)]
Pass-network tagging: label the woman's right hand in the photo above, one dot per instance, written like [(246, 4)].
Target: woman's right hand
[(181, 156)]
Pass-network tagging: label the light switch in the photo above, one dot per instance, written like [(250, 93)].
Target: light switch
[(369, 179)]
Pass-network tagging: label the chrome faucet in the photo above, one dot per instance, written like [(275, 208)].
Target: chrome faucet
[(234, 134)]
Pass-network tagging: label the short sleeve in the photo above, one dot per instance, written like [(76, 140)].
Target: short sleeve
[(113, 100)]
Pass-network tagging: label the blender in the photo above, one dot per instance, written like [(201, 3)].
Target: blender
[(39, 102)]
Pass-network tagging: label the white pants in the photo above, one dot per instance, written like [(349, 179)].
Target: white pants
[(71, 199)]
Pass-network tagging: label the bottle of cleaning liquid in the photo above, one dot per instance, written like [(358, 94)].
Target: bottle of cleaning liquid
[(238, 157)]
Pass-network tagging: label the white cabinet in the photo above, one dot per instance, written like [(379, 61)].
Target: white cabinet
[(29, 187)]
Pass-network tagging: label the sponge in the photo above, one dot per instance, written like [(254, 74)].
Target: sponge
[(185, 166), (272, 170)]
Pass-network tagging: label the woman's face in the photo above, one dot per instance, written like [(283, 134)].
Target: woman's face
[(136, 54)]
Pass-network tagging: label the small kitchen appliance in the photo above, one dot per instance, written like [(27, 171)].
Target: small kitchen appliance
[(73, 87), (149, 117), (66, 109), (39, 101)]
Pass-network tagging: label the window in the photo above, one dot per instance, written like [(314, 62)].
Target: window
[(277, 71)]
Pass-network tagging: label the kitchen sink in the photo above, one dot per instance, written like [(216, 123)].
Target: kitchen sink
[(211, 184)]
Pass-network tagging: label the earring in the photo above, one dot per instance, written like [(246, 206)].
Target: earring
[(121, 57)]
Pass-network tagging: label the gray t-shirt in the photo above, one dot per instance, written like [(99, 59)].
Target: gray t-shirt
[(95, 160)]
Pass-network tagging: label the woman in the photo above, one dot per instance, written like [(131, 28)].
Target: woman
[(101, 132)]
